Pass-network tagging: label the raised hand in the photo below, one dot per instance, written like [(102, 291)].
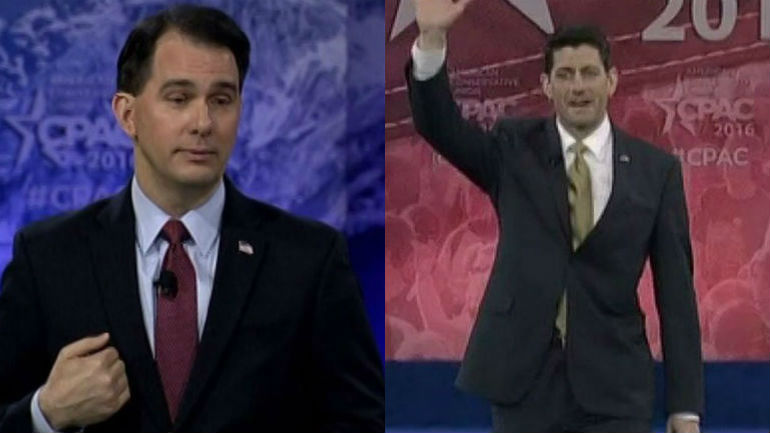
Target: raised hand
[(435, 17)]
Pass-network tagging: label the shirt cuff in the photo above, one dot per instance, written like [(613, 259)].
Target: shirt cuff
[(39, 423), (426, 63), (686, 416)]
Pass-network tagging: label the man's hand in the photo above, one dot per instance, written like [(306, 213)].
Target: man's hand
[(87, 384), (434, 17), (677, 425)]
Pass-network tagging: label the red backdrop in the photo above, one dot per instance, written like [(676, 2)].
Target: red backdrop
[(704, 96)]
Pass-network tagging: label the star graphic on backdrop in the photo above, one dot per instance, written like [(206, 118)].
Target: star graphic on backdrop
[(669, 105), (536, 10), (25, 124)]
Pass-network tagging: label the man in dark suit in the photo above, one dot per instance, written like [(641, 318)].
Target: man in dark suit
[(559, 341), (180, 304)]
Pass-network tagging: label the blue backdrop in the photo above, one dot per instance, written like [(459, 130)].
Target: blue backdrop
[(311, 138)]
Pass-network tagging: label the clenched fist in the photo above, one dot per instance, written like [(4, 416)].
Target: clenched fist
[(87, 384)]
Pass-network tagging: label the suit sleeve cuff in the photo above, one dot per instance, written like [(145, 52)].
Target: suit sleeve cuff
[(39, 423), (686, 416), (426, 63)]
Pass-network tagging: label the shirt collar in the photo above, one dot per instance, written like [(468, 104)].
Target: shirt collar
[(202, 222), (596, 142)]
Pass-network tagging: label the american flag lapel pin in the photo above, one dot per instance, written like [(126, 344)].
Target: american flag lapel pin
[(245, 248)]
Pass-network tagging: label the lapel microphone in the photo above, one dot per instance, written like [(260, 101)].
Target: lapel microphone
[(166, 284), (555, 161)]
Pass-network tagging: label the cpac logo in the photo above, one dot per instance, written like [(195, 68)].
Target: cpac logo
[(698, 108), (536, 10), (59, 135), (487, 111)]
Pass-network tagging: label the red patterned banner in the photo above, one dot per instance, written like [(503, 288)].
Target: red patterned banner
[(694, 79)]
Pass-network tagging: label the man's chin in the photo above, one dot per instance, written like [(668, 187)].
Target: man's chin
[(582, 123), (199, 179)]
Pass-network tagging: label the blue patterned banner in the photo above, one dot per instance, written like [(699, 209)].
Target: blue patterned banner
[(311, 135)]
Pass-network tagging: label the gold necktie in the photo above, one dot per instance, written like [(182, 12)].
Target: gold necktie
[(581, 216)]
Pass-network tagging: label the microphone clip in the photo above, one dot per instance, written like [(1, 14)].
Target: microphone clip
[(556, 161), (166, 284)]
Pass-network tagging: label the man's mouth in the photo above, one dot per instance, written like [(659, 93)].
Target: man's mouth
[(198, 154), (194, 151), (579, 103)]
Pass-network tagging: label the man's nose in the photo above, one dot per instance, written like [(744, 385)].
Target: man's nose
[(578, 84), (203, 121)]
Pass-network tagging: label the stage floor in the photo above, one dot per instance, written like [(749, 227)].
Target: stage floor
[(400, 430)]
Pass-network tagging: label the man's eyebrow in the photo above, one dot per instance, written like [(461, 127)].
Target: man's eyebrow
[(181, 82), (228, 85), (177, 83)]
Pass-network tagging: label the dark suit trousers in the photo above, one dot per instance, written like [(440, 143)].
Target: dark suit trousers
[(550, 406)]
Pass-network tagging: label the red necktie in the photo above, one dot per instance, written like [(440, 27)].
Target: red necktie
[(176, 326)]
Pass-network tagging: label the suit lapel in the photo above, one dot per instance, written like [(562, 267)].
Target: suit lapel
[(557, 179), (557, 175), (241, 250), (621, 172), (113, 254)]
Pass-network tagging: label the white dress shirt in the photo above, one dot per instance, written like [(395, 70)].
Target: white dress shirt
[(203, 246), (427, 63), (598, 158)]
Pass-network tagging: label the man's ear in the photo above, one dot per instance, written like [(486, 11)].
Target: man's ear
[(545, 82), (123, 108), (613, 80)]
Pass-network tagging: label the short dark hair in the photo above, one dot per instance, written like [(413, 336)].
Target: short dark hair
[(574, 36), (204, 24)]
